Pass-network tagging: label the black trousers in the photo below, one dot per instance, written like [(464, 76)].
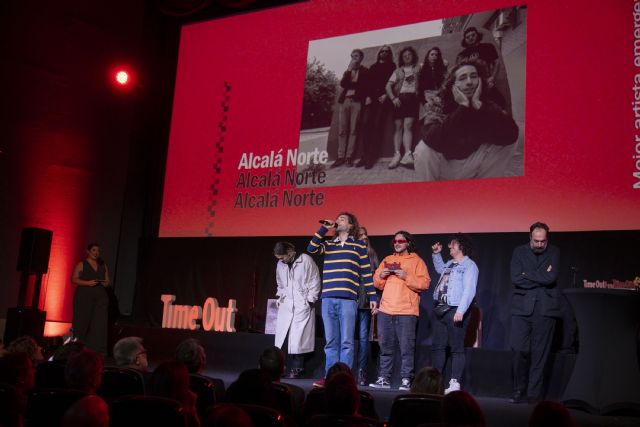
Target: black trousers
[(531, 338), (90, 317), (373, 129)]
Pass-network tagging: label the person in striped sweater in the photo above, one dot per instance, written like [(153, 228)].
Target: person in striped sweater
[(346, 267)]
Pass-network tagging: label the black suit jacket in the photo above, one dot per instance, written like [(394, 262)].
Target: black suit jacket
[(532, 282)]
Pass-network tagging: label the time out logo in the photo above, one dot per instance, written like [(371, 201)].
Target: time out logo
[(214, 317)]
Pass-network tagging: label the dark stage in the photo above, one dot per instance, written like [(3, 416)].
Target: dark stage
[(487, 374)]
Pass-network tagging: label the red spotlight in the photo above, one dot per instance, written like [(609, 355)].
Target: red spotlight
[(122, 77)]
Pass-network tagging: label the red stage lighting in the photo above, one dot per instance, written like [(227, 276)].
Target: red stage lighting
[(122, 77)]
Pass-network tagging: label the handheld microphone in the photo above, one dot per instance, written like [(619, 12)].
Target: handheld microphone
[(326, 223)]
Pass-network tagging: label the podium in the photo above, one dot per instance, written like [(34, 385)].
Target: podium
[(606, 376)]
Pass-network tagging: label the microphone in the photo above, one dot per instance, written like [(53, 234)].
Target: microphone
[(326, 223)]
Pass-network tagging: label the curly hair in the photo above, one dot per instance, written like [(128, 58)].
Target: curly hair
[(468, 30), (355, 225), (464, 243), (414, 61)]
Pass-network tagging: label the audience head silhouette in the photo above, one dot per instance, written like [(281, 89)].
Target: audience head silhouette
[(130, 353), (550, 414), (84, 371), (428, 380), (191, 353), (459, 409), (90, 411), (272, 362), (342, 394)]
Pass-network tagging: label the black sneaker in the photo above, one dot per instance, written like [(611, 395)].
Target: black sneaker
[(338, 162)]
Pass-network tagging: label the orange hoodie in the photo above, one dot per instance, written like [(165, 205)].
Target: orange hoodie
[(402, 296)]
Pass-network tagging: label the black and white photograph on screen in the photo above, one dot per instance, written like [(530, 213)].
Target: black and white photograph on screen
[(432, 101)]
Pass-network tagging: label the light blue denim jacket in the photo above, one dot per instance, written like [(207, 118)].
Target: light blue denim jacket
[(462, 282)]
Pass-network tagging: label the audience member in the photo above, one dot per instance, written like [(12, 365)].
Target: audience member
[(316, 402), (130, 353), (272, 362), (84, 371), (12, 406), (62, 353), (227, 415), (342, 394), (253, 386), (191, 353), (428, 380), (17, 377), (171, 379), (459, 409), (27, 345), (550, 414), (90, 411), (16, 370)]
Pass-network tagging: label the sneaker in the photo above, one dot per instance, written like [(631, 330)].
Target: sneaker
[(407, 159), (319, 383), (294, 374), (395, 161), (454, 385), (338, 162), (406, 384), (381, 383), (349, 162)]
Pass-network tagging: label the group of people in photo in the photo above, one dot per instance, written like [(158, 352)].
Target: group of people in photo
[(354, 286), (462, 120)]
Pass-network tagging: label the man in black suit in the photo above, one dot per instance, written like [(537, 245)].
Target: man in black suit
[(534, 270)]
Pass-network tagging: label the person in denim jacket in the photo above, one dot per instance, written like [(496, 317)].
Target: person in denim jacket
[(456, 288)]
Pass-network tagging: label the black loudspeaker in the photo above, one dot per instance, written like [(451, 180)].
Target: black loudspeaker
[(35, 248), (24, 321)]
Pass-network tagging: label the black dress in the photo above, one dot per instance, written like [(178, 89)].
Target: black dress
[(90, 309)]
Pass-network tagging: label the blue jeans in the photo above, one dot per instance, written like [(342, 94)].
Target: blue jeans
[(364, 320), (339, 318), (401, 329)]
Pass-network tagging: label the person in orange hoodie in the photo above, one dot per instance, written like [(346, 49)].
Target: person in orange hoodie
[(401, 277)]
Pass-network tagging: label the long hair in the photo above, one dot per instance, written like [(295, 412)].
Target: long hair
[(414, 61), (355, 225), (373, 256), (411, 244), (386, 46), (437, 75)]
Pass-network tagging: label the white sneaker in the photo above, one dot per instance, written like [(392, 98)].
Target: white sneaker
[(406, 384), (395, 161), (407, 159), (454, 385), (381, 383)]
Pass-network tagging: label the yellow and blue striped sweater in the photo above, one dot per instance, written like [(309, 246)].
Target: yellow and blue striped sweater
[(346, 266)]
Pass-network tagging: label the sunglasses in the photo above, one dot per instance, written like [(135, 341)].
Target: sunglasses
[(398, 241)]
